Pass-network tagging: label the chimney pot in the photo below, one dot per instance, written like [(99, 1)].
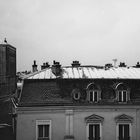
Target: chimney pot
[(75, 64), (122, 64), (138, 65), (56, 68), (34, 66)]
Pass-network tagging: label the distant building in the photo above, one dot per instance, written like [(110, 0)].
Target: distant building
[(7, 89), (80, 103), (7, 69)]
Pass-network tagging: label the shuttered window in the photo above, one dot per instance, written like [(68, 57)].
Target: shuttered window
[(94, 132), (124, 132)]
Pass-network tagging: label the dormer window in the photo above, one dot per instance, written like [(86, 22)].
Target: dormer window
[(93, 93), (76, 94), (122, 93), (122, 96), (93, 96)]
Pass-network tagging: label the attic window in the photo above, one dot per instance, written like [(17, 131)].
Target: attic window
[(122, 93), (93, 93), (76, 94)]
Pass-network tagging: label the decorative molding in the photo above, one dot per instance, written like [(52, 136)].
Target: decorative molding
[(123, 118), (94, 118)]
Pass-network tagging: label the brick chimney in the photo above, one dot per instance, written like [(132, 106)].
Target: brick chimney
[(56, 68), (75, 64), (34, 67), (45, 65)]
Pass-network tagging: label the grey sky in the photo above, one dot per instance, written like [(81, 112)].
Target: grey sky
[(91, 31)]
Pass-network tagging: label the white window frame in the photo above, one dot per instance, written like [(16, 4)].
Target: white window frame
[(43, 122), (122, 99), (117, 129), (93, 92), (87, 130)]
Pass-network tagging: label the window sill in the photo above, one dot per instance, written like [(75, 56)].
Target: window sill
[(68, 137)]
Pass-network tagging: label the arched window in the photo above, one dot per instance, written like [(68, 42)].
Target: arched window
[(93, 93), (123, 93)]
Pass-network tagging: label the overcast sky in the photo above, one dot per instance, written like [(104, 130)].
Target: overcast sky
[(91, 31)]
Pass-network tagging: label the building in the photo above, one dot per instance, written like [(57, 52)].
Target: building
[(80, 103), (7, 69), (7, 89)]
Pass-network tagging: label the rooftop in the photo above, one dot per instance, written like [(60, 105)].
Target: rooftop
[(88, 72)]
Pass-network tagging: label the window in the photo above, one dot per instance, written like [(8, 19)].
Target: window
[(124, 124), (122, 92), (93, 131), (43, 130), (93, 93), (93, 96), (94, 127), (76, 94), (124, 132), (122, 96)]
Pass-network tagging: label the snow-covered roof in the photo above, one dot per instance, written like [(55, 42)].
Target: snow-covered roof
[(89, 72)]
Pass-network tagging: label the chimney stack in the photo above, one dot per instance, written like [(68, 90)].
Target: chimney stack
[(45, 65), (122, 64), (56, 68), (137, 65), (75, 64), (34, 67), (108, 66)]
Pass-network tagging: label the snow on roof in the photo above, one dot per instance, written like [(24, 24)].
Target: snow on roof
[(88, 72)]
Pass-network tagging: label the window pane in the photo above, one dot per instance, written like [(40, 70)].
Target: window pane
[(46, 131), (120, 131), (40, 130), (126, 131), (120, 96), (90, 131), (95, 96), (91, 96), (124, 96), (97, 131), (76, 95)]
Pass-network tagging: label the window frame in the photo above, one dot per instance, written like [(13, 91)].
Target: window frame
[(123, 123), (122, 96), (43, 122), (93, 95), (93, 123), (75, 95)]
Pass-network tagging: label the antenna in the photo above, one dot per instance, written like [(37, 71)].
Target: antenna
[(115, 61)]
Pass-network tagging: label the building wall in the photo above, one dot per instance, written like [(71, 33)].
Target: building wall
[(26, 122)]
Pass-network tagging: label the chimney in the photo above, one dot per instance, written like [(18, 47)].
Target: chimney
[(45, 65), (137, 65), (56, 68), (34, 67), (107, 66), (115, 61), (75, 64), (122, 64)]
